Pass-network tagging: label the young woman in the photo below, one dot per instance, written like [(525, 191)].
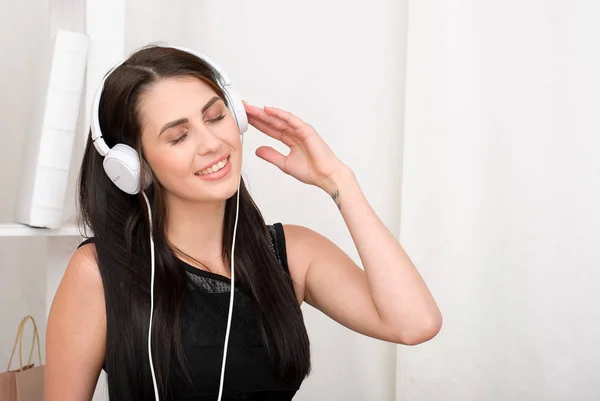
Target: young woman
[(166, 103)]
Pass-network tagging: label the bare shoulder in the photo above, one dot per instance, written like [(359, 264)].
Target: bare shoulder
[(304, 238), (76, 330), (301, 245)]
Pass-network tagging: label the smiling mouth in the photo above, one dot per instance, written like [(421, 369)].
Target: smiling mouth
[(214, 168)]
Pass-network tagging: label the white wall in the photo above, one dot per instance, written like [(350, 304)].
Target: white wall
[(22, 274), (26, 23), (30, 266), (340, 66), (501, 195)]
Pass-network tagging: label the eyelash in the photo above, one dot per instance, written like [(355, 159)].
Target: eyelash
[(184, 135)]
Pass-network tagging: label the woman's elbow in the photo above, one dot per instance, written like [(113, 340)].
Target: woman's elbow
[(423, 332)]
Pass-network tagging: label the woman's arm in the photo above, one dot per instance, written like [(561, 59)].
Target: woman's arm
[(388, 300), (76, 331)]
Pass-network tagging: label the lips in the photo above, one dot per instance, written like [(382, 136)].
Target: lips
[(216, 166)]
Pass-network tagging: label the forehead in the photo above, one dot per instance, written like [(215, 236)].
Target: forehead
[(173, 98)]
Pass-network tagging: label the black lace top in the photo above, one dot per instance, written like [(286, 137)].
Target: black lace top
[(249, 374)]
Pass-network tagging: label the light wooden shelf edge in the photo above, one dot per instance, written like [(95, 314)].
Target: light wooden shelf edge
[(22, 230)]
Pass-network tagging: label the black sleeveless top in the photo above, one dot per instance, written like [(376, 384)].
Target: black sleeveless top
[(249, 373)]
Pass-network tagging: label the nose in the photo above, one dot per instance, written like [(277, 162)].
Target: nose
[(207, 142)]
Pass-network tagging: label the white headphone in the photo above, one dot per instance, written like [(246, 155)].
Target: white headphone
[(121, 162), (122, 165)]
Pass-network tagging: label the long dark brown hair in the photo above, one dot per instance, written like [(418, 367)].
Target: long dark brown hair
[(119, 223)]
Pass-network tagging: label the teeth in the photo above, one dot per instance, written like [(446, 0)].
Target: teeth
[(214, 168)]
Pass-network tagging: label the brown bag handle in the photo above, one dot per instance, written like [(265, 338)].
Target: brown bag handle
[(19, 339)]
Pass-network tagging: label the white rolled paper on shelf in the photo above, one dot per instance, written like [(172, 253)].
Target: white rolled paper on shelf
[(51, 134)]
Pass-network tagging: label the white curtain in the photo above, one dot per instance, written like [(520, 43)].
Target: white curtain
[(501, 198)]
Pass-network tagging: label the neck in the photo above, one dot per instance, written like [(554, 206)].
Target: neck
[(196, 228)]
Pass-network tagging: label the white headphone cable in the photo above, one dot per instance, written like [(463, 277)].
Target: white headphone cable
[(156, 397), (232, 289)]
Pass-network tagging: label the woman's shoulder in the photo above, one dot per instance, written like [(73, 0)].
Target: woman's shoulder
[(85, 254), (76, 328), (85, 257)]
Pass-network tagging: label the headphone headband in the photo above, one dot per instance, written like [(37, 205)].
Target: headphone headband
[(121, 162)]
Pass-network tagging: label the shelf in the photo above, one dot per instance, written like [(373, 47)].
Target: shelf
[(21, 230)]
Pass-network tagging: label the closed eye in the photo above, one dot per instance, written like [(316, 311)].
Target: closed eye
[(214, 120), (180, 139)]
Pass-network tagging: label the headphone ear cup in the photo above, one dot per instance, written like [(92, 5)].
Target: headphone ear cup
[(237, 107), (122, 165)]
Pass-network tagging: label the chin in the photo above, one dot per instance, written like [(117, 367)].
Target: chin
[(214, 192), (224, 194)]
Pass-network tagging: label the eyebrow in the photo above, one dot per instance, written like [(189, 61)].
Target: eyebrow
[(185, 120)]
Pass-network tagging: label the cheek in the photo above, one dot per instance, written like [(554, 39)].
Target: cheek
[(235, 143), (170, 164), (231, 134)]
